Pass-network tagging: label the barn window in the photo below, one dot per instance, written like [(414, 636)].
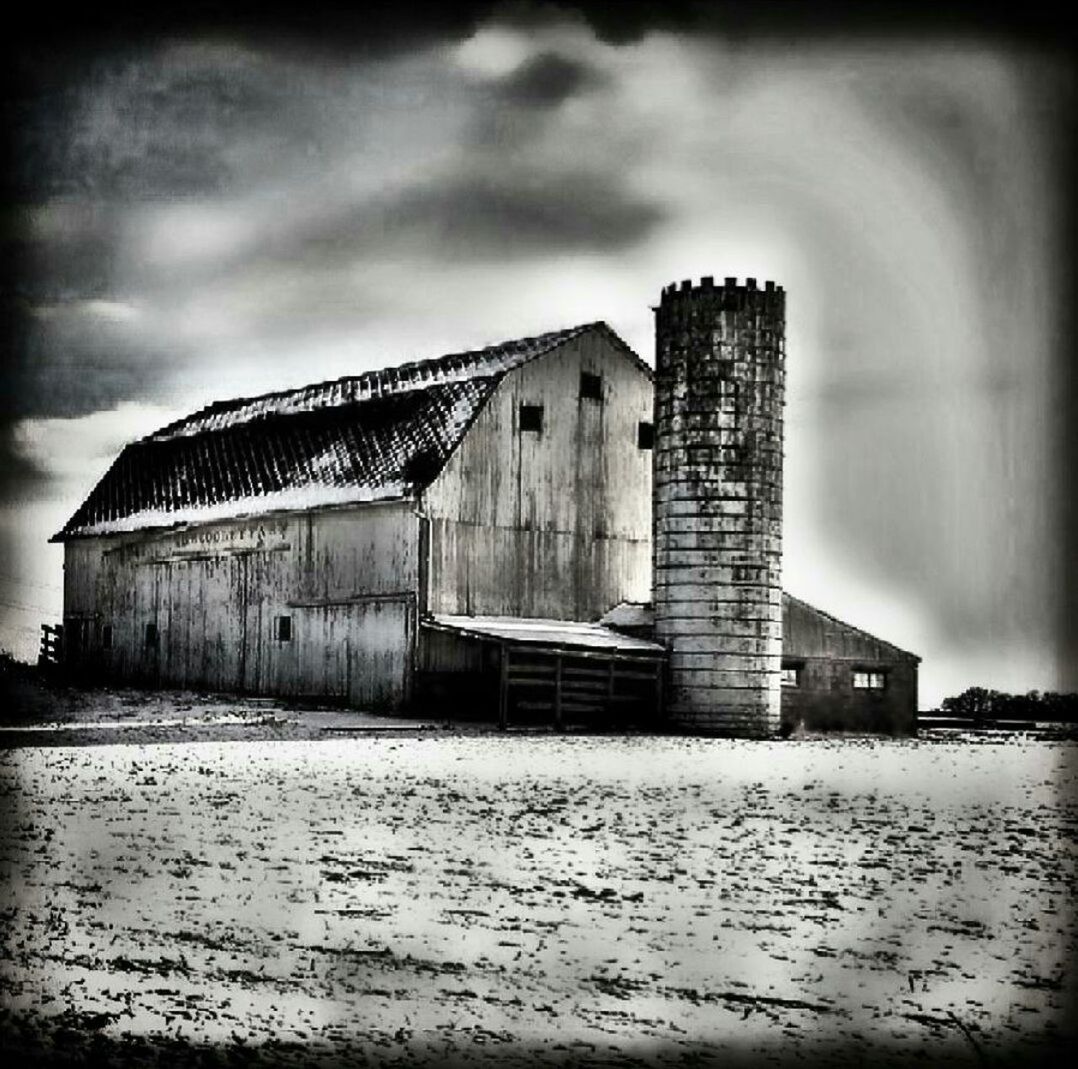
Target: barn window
[(106, 637), (791, 675), (864, 679), (531, 418), (151, 636), (591, 386), (645, 435), (283, 628)]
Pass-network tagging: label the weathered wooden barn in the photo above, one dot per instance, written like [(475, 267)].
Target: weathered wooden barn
[(448, 531)]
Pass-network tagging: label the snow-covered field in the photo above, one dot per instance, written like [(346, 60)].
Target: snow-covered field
[(522, 900)]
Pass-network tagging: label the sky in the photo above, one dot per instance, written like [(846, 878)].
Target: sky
[(214, 212)]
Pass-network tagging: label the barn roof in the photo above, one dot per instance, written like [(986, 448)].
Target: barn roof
[(371, 437)]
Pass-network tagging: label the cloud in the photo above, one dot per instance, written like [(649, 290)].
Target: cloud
[(201, 218), (500, 214), (72, 358), (22, 477), (546, 80)]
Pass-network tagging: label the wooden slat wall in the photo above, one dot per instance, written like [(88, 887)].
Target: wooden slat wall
[(348, 579), (566, 687), (556, 524)]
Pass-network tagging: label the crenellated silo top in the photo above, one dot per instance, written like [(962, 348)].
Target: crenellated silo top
[(730, 295)]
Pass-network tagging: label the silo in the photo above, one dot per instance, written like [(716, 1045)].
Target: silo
[(719, 386)]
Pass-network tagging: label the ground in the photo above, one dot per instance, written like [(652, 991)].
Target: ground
[(432, 897)]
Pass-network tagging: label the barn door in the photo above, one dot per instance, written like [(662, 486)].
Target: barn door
[(381, 637)]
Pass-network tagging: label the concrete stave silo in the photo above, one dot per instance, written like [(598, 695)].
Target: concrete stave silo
[(719, 394)]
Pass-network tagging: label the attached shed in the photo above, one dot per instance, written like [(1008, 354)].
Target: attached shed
[(835, 677), (551, 671), (838, 677)]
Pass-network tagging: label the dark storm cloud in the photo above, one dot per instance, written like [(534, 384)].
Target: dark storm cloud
[(162, 123), (66, 362), (484, 216), (71, 256), (628, 21), (325, 28), (518, 109), (547, 80), (21, 477), (500, 214)]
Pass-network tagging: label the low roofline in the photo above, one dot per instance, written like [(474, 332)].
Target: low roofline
[(542, 633), (648, 607), (184, 525), (861, 631)]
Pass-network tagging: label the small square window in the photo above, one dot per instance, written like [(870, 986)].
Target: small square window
[(151, 636), (869, 680), (283, 629), (645, 435), (106, 637), (791, 675), (531, 418), (591, 386)]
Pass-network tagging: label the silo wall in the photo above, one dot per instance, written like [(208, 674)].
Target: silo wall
[(719, 395)]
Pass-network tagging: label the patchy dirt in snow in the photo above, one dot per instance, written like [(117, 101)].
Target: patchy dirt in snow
[(534, 901), (39, 710)]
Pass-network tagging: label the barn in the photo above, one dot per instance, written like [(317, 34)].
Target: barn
[(454, 530)]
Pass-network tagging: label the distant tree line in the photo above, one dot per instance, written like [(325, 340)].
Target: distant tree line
[(977, 703)]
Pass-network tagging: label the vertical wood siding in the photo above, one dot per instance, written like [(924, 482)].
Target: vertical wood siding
[(555, 524), (348, 579)]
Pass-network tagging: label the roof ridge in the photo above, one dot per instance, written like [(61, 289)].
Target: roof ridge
[(410, 371)]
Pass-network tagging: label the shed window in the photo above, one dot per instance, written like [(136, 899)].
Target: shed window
[(531, 418), (106, 637), (791, 675), (869, 680), (645, 435), (151, 636), (283, 629), (591, 386)]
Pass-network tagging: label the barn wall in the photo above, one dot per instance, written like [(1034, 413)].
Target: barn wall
[(348, 579), (555, 524), (826, 653)]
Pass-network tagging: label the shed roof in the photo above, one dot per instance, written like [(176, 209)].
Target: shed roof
[(639, 615), (376, 436), (563, 634)]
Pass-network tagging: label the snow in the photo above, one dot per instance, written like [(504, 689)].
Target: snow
[(504, 900), (294, 499), (546, 632)]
